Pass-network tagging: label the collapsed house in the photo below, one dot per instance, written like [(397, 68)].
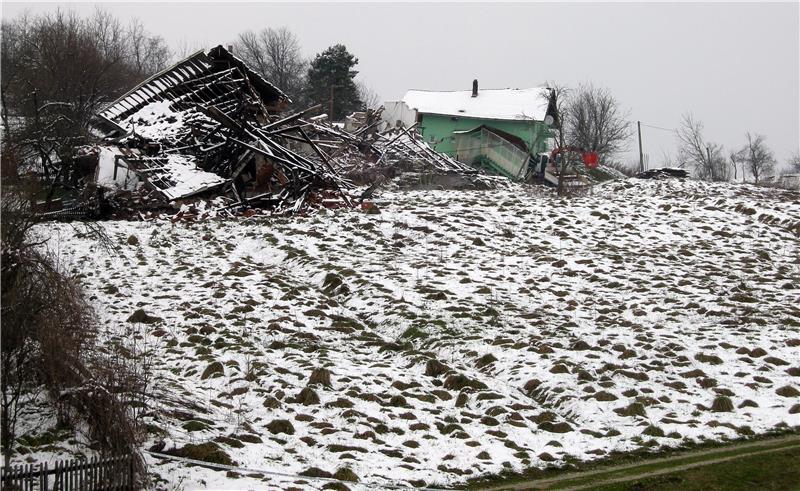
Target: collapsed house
[(208, 124), (210, 127)]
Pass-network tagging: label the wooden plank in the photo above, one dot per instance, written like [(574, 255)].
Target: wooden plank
[(290, 118)]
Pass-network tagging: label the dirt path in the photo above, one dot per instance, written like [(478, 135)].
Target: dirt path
[(710, 456)]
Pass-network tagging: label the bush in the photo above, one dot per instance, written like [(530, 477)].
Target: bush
[(435, 368), (207, 452), (320, 376), (459, 381), (345, 474), (281, 426), (214, 369), (787, 391), (722, 404), (49, 335)]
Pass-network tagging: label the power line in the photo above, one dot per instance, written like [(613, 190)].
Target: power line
[(660, 128)]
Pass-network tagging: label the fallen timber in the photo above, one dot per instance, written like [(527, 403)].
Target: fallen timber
[(210, 127)]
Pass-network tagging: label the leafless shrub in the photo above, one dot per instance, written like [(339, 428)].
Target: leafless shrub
[(595, 121), (758, 158), (368, 96), (793, 163), (58, 69), (706, 157), (49, 338), (275, 54)]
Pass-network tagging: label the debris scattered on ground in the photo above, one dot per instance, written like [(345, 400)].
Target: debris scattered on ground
[(206, 127), (663, 173), (211, 129)]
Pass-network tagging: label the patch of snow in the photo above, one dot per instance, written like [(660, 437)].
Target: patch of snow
[(188, 178), (660, 293), (126, 179), (156, 121)]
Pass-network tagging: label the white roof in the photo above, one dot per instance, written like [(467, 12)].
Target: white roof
[(513, 104)]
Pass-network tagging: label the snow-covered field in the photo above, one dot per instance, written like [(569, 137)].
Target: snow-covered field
[(466, 333)]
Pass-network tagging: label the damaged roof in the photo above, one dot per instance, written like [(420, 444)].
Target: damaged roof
[(210, 124), (504, 104), (215, 77)]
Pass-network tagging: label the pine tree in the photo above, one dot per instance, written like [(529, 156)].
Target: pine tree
[(331, 74)]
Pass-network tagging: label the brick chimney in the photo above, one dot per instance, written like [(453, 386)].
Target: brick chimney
[(475, 88)]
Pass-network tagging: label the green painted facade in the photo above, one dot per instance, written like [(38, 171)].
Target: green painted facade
[(438, 130)]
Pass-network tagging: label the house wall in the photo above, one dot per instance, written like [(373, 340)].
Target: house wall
[(438, 130), (398, 111)]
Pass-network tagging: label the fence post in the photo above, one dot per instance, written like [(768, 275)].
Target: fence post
[(130, 472)]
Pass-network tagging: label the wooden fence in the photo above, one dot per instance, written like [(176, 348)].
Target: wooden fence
[(107, 474)]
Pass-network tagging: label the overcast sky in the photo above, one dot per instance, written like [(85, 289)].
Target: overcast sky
[(735, 66)]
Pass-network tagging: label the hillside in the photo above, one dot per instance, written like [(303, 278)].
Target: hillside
[(461, 333)]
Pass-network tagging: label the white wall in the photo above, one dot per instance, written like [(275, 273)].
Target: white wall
[(394, 111)]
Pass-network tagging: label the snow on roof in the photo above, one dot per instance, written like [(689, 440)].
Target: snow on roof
[(187, 177), (175, 176), (513, 104), (156, 121), (183, 81)]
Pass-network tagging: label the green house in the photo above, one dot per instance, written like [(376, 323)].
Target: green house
[(451, 122)]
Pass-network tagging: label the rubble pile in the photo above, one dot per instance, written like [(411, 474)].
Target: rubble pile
[(663, 173), (210, 127), (369, 156), (204, 126)]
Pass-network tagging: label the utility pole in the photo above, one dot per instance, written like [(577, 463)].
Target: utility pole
[(710, 165), (641, 155)]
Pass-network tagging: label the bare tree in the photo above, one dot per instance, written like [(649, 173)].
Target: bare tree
[(185, 48), (758, 158), (368, 96), (595, 121), (737, 160), (58, 70), (148, 54), (587, 118), (705, 157), (794, 163), (78, 62), (275, 54)]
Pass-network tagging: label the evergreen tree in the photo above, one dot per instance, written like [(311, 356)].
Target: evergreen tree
[(331, 74)]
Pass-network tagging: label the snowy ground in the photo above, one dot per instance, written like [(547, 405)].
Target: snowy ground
[(466, 333)]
